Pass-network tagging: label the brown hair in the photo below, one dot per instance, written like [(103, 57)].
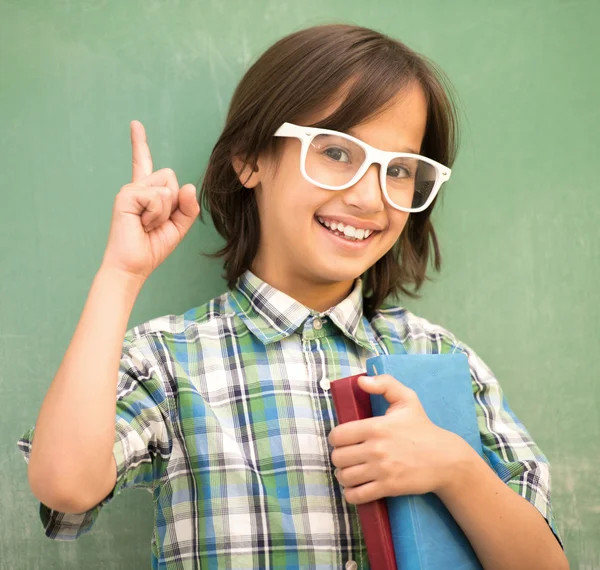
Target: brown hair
[(296, 76)]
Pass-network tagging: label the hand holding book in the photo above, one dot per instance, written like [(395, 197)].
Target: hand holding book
[(400, 453), (399, 441)]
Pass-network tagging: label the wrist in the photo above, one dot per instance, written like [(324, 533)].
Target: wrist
[(462, 461), (128, 280)]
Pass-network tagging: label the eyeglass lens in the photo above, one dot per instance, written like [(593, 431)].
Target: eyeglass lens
[(333, 160)]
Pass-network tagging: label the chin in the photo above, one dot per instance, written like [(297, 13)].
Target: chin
[(337, 274)]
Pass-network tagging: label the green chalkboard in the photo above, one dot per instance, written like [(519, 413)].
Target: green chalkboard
[(519, 222)]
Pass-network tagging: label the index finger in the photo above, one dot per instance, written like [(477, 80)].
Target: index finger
[(141, 157), (352, 433)]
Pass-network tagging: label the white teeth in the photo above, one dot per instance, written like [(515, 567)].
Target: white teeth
[(347, 230)]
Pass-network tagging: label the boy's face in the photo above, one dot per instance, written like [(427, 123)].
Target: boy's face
[(293, 244)]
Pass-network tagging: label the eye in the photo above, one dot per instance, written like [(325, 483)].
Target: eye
[(398, 171), (338, 154)]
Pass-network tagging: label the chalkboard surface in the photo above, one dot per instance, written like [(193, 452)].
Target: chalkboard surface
[(519, 222)]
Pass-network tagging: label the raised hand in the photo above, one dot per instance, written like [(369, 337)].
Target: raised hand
[(151, 215)]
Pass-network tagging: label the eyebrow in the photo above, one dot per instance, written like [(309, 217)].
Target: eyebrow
[(352, 133)]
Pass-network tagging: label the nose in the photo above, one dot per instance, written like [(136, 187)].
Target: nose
[(366, 194)]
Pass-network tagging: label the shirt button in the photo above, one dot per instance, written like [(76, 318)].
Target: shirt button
[(318, 323), (325, 384), (351, 565)]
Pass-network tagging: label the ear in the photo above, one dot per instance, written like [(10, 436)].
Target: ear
[(248, 175)]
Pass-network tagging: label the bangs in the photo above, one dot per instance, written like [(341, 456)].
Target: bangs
[(368, 95)]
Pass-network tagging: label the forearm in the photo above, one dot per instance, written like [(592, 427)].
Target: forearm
[(506, 531), (74, 433)]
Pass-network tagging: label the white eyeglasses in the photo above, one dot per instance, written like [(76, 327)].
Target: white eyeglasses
[(335, 161)]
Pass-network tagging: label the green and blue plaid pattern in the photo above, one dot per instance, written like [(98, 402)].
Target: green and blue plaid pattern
[(223, 415)]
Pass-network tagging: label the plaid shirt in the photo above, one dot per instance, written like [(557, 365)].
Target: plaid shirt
[(223, 415)]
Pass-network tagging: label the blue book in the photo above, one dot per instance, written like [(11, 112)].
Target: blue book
[(424, 533)]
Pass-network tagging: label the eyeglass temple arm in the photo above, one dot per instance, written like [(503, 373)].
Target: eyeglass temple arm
[(287, 130)]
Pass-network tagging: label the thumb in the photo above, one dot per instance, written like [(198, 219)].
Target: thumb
[(391, 389), (183, 217)]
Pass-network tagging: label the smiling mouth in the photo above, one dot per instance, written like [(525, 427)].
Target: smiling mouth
[(350, 238)]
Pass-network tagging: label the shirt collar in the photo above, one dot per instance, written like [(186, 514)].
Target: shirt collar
[(272, 315)]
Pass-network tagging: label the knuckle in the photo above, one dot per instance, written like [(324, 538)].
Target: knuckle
[(121, 198), (381, 428), (398, 470), (411, 394), (169, 173), (385, 467), (378, 449), (154, 206)]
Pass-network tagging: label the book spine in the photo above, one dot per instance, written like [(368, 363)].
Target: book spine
[(351, 404)]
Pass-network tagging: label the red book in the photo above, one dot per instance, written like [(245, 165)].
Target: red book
[(351, 404)]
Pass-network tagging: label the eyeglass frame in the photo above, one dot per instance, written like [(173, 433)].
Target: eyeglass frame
[(372, 156)]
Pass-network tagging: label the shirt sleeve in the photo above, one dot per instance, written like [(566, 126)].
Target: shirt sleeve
[(142, 444), (507, 445)]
